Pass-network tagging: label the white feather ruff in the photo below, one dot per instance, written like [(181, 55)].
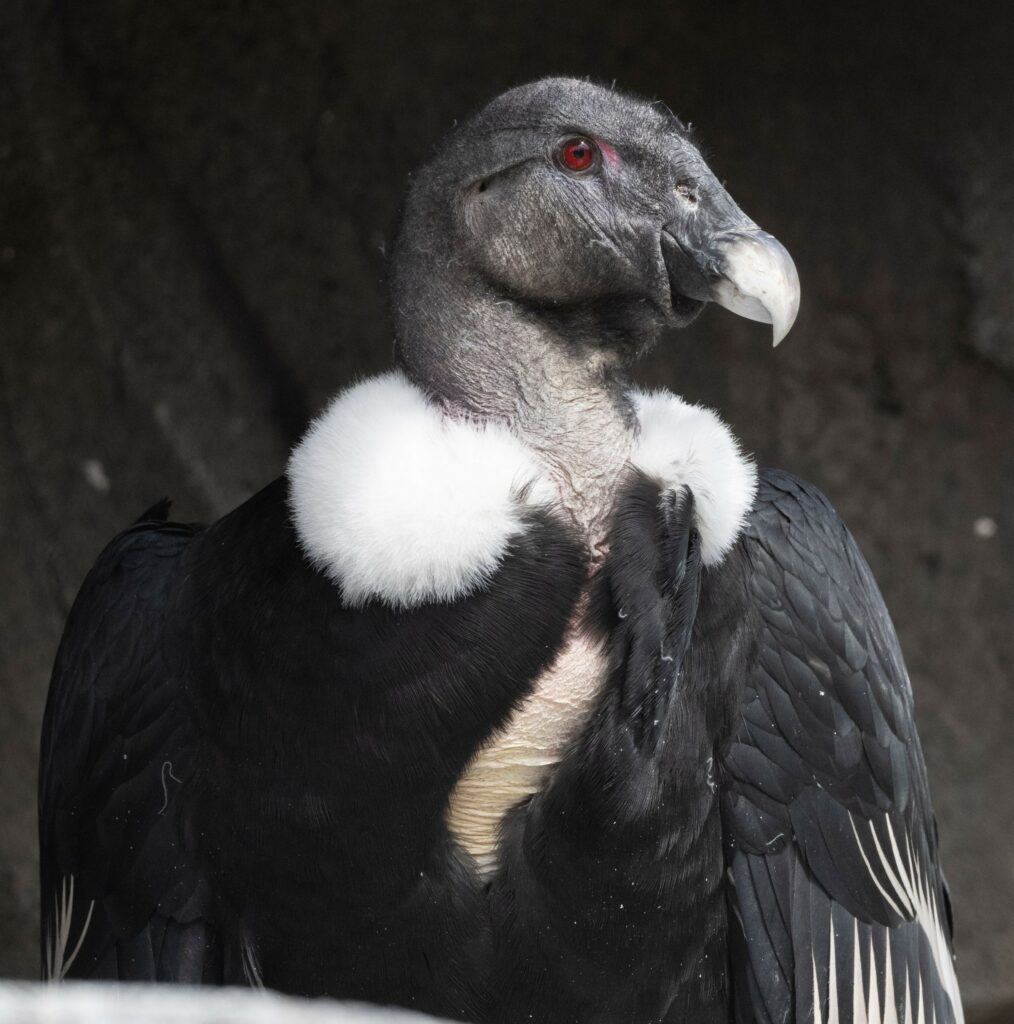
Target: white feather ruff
[(399, 503), (688, 444), (396, 502)]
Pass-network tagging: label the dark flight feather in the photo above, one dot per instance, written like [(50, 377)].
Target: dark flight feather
[(828, 826)]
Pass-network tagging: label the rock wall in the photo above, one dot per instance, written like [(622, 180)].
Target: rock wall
[(193, 202), (81, 1003)]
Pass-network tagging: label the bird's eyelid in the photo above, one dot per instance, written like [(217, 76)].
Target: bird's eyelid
[(609, 153)]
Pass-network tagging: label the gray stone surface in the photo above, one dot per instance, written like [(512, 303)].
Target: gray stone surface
[(193, 199), (149, 1004)]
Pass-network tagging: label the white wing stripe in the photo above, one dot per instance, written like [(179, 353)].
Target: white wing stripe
[(859, 1014), (58, 961), (890, 1006), (869, 867), (901, 890), (900, 879), (873, 997), (818, 1015), (832, 984), (929, 920), (251, 963), (906, 887)]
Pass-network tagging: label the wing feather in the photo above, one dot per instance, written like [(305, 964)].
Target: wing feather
[(831, 845), (117, 892)]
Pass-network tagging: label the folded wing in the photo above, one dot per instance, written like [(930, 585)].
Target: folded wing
[(121, 894), (840, 900)]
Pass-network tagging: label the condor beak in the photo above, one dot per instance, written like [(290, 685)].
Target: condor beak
[(758, 280), (715, 253)]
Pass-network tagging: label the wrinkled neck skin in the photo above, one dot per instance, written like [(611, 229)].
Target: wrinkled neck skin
[(489, 357)]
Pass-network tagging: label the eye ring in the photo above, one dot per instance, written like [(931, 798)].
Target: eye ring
[(576, 154)]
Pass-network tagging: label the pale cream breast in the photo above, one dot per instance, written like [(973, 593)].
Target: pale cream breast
[(515, 763)]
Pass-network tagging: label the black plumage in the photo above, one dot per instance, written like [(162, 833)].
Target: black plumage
[(626, 837)]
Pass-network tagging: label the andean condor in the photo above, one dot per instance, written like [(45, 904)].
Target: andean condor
[(522, 696)]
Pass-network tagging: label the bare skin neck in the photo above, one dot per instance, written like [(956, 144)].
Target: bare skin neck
[(491, 358), (583, 431)]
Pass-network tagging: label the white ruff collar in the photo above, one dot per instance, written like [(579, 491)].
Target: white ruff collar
[(397, 502)]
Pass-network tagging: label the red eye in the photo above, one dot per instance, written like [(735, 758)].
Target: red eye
[(577, 154)]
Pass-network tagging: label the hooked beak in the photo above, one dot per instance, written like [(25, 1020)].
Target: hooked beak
[(742, 268)]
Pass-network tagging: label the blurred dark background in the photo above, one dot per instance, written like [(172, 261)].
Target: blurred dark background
[(194, 196)]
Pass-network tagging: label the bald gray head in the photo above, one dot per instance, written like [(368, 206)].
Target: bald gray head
[(559, 231)]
